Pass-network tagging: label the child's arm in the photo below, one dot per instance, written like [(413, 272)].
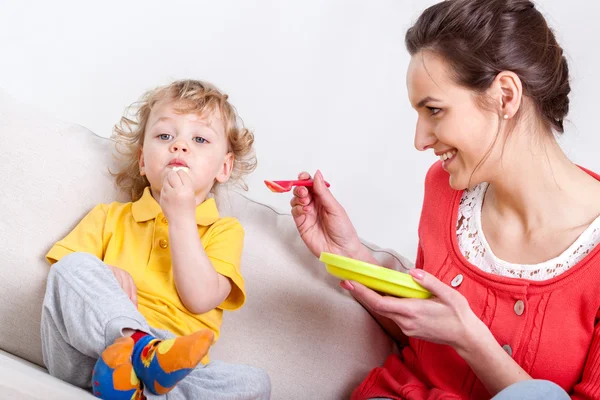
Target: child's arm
[(200, 287)]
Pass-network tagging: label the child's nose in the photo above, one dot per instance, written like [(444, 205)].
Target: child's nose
[(179, 145)]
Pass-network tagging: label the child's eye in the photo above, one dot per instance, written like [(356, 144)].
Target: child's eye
[(199, 139), (434, 110), (164, 136)]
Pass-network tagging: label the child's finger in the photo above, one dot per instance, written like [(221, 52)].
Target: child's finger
[(133, 295), (119, 280), (173, 179), (123, 284), (166, 182), (164, 191), (127, 287), (183, 177)]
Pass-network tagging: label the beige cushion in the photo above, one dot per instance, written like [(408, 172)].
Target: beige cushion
[(313, 339), (21, 380), (52, 174)]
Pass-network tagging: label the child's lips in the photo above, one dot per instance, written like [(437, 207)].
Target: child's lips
[(178, 163)]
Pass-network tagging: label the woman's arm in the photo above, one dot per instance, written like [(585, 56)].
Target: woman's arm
[(446, 318), (589, 386), (488, 360)]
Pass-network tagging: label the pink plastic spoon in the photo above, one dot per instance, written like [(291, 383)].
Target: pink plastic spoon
[(286, 186)]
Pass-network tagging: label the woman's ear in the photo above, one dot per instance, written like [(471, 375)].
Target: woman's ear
[(508, 87)]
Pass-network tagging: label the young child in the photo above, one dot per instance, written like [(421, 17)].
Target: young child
[(136, 295)]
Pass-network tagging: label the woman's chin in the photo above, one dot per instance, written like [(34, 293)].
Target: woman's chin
[(457, 183)]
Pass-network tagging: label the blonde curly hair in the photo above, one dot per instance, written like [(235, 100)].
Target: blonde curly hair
[(189, 96)]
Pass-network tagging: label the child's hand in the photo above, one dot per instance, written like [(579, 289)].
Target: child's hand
[(177, 197), (126, 282)]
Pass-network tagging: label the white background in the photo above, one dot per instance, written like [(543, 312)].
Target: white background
[(321, 83)]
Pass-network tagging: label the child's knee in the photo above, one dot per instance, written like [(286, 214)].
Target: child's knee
[(74, 263), (262, 382)]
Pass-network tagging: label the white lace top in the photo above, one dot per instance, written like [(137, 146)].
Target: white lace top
[(476, 250)]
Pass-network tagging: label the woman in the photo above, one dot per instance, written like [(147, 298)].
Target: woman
[(509, 227)]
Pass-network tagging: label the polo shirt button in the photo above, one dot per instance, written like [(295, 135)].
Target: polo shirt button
[(457, 280), (507, 349), (163, 243), (164, 220), (519, 307)]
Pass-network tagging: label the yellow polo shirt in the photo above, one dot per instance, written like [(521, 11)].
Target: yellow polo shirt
[(135, 237)]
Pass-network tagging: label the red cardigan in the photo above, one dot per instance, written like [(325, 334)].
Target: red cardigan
[(555, 337)]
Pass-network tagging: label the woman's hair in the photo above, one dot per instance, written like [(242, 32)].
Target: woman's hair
[(481, 38), (189, 96)]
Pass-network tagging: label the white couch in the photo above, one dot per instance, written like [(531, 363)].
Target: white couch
[(315, 341)]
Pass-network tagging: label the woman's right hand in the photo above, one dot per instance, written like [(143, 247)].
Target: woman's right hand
[(322, 222), (126, 282)]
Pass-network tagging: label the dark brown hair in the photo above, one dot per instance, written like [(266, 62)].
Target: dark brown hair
[(481, 38)]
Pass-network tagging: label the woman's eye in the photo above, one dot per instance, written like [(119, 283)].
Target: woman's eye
[(164, 136), (199, 139), (434, 110)]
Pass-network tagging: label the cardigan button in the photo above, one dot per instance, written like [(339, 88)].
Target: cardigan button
[(163, 243), (507, 349), (519, 307), (457, 280)]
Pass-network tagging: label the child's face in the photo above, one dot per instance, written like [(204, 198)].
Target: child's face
[(451, 121), (197, 142)]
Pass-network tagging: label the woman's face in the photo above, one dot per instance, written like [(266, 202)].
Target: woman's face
[(451, 121)]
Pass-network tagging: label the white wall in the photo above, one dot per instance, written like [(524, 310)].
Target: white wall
[(321, 82)]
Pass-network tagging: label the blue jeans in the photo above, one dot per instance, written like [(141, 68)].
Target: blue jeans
[(533, 390), (527, 390)]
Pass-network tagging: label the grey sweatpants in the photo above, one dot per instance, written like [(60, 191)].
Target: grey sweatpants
[(85, 310)]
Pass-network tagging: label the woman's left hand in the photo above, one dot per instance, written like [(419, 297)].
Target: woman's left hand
[(445, 318)]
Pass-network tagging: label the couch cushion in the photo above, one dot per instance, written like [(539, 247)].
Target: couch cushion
[(314, 339), (52, 174), (22, 380)]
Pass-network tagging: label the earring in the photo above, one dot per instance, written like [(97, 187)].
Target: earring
[(505, 116)]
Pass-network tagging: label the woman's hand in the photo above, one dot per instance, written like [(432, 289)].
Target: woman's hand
[(445, 318), (323, 223)]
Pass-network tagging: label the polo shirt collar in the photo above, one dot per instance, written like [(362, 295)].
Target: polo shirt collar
[(147, 208)]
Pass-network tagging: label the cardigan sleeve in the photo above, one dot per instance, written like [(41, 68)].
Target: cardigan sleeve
[(589, 386)]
